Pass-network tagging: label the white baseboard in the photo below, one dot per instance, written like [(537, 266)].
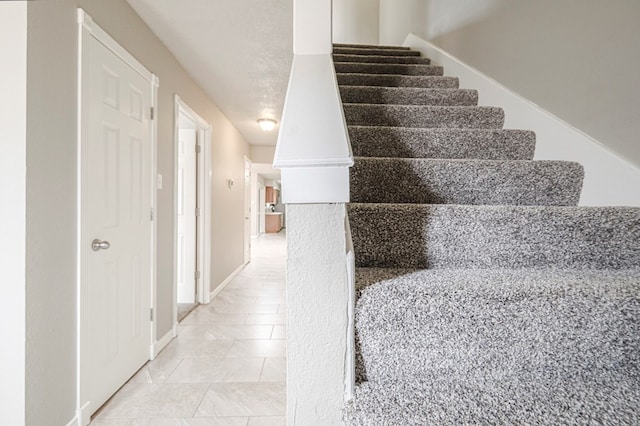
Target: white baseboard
[(224, 283), (162, 342), (609, 178), (82, 417), (74, 421)]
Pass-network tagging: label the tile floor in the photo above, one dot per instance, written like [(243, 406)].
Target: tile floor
[(227, 366)]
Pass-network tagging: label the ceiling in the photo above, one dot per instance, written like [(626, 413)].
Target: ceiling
[(238, 51)]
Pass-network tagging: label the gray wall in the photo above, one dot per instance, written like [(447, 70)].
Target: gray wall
[(51, 189), (578, 59)]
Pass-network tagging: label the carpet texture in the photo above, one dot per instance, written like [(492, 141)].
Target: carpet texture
[(485, 295)]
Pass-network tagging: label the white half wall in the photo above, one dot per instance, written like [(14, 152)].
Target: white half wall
[(318, 297), (609, 179), (13, 165)]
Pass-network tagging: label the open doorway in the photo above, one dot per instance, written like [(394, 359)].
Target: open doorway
[(192, 210)]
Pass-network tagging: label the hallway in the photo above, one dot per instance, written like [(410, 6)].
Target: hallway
[(227, 366)]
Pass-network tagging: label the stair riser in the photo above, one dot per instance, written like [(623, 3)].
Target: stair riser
[(458, 236), (424, 116), (387, 80), (382, 59), (478, 182), (408, 96), (397, 69), (399, 142), (374, 52), (493, 317)]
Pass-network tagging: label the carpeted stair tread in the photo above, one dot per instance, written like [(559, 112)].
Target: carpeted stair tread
[(374, 51), (523, 346), (610, 400), (408, 96), (399, 69), (470, 236), (460, 117), (373, 59), (390, 80), (444, 181), (372, 141)]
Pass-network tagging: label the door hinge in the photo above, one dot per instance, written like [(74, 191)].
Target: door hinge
[(151, 215), (197, 275), (197, 211), (152, 112), (198, 149), (151, 314)]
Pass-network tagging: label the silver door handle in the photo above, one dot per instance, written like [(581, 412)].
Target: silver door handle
[(97, 245)]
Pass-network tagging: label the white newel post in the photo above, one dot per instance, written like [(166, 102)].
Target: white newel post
[(314, 155)]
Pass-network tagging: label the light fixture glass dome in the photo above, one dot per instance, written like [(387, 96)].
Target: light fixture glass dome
[(267, 124)]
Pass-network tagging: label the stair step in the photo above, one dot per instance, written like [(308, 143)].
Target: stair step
[(408, 96), (480, 182), (523, 336), (372, 59), (396, 69), (460, 117), (372, 141), (391, 80), (369, 46), (470, 236), (371, 51)]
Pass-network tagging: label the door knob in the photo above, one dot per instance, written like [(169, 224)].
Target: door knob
[(97, 245)]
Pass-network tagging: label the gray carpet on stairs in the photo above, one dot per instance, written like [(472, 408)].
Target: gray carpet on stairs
[(408, 96), (484, 295), (389, 80), (380, 51), (467, 236), (405, 69), (372, 59), (489, 182), (455, 117), (375, 141), (478, 346)]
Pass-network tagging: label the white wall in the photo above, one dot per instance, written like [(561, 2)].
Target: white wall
[(577, 59), (13, 140), (356, 21), (262, 153)]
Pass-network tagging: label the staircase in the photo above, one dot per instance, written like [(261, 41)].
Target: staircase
[(485, 295)]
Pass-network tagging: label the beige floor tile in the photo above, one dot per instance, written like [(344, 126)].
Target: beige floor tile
[(279, 332), (209, 370), (225, 332), (243, 399), (279, 300), (257, 348), (274, 370), (272, 319), (200, 421), (208, 316), (155, 400), (248, 308), (267, 421), (184, 347), (113, 422), (156, 371)]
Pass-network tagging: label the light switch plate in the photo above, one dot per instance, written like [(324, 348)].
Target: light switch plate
[(159, 181)]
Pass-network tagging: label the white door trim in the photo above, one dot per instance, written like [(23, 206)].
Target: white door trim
[(204, 201), (86, 28)]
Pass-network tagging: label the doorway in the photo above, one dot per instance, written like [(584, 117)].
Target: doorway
[(116, 233), (192, 210)]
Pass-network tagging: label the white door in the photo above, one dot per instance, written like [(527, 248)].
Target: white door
[(187, 242), (115, 230), (247, 210)]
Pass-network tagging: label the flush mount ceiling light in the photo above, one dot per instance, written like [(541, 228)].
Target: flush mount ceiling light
[(267, 124)]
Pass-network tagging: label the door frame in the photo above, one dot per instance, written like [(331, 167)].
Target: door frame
[(247, 209), (204, 130), (88, 28)]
